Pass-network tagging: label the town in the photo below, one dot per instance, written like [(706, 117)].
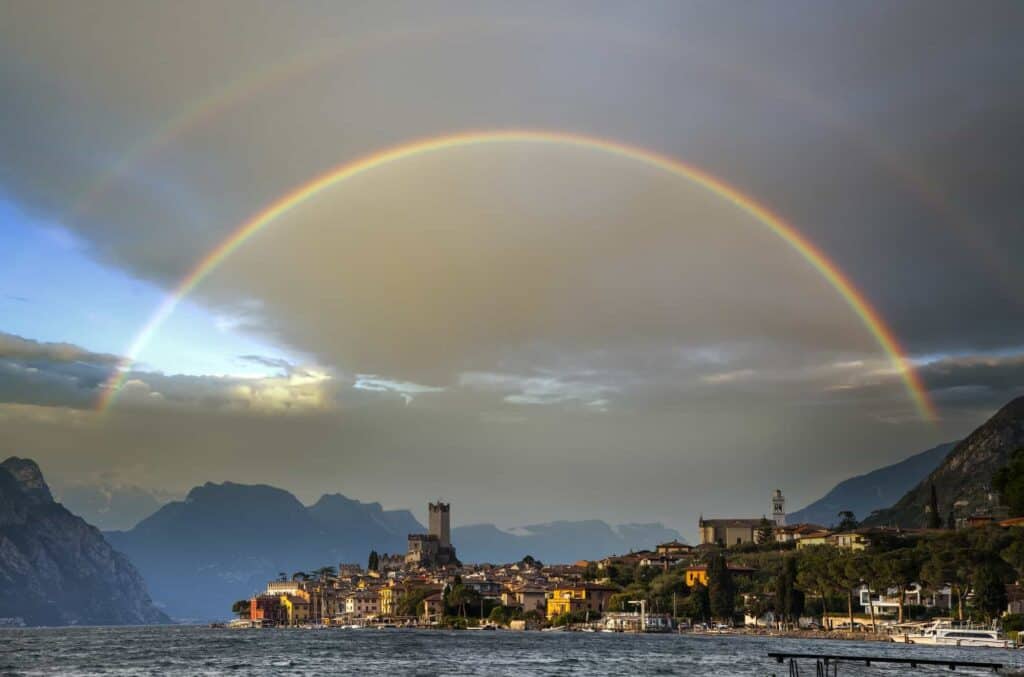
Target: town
[(747, 574)]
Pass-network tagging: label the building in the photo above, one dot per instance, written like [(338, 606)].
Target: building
[(726, 532), (440, 522), (282, 609), (698, 573), (526, 597), (363, 604), (813, 538), (579, 598), (779, 509), (849, 540), (736, 531), (433, 607), (798, 532), (283, 587), (433, 549), (674, 549), (346, 570)]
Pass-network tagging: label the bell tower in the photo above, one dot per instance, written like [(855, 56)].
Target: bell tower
[(779, 509)]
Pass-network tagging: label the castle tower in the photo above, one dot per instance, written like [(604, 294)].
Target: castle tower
[(440, 522), (779, 509)]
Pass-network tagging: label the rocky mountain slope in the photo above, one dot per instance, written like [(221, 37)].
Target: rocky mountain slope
[(872, 491), (55, 569), (966, 472), (225, 541)]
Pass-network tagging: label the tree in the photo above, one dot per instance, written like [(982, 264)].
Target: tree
[(934, 520), (373, 564), (460, 597), (844, 573), (951, 520), (698, 604), (900, 569), (765, 530), (721, 588), (241, 607), (947, 564), (989, 590), (325, 573), (847, 521), (814, 572), (1008, 482), (300, 576), (531, 561), (789, 599), (872, 574)]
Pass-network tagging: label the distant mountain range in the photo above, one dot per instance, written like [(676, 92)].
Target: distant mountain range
[(557, 542), (55, 569), (875, 490), (225, 541), (965, 474)]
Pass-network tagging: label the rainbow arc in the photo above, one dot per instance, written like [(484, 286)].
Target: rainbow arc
[(827, 268)]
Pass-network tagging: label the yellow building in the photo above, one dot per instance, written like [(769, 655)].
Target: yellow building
[(812, 539), (849, 540), (698, 574), (296, 608), (389, 598), (584, 597)]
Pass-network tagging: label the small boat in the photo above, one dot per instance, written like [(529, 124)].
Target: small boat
[(557, 628), (944, 633)]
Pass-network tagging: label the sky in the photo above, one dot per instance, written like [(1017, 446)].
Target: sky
[(533, 331)]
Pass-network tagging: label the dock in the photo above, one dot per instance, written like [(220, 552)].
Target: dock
[(828, 664)]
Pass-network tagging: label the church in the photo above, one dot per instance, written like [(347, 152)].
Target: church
[(735, 531)]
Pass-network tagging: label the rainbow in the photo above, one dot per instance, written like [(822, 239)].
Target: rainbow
[(827, 268)]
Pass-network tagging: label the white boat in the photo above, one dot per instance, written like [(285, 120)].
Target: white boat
[(943, 633)]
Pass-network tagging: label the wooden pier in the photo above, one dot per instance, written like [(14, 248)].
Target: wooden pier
[(828, 664)]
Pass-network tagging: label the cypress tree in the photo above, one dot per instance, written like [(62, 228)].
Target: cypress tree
[(721, 591), (934, 520)]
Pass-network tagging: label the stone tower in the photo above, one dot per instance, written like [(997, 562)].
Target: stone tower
[(440, 522), (779, 509)]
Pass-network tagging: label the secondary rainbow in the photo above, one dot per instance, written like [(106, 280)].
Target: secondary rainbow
[(828, 269)]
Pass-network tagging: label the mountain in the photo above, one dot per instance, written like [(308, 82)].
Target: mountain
[(966, 472), (877, 489), (561, 541), (56, 569), (225, 541)]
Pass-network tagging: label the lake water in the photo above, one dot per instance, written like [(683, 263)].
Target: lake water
[(206, 651)]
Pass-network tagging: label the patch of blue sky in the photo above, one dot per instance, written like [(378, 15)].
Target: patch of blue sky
[(52, 289)]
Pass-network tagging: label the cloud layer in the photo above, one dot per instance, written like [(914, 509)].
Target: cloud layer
[(525, 324)]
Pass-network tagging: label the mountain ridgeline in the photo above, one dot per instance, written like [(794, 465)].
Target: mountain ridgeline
[(964, 477), (872, 491), (225, 541), (56, 569)]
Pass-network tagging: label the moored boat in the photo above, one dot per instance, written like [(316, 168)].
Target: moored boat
[(944, 633)]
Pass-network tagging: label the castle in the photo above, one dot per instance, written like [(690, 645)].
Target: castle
[(433, 549)]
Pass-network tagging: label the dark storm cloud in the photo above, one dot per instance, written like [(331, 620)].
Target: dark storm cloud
[(544, 306), (35, 372)]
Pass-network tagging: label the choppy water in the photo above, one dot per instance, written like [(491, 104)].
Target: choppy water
[(205, 651)]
